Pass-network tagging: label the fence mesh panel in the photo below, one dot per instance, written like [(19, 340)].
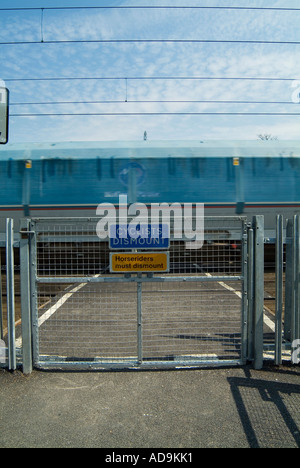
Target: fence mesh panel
[(86, 313), (191, 320), (87, 321)]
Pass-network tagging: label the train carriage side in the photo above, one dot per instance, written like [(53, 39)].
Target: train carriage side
[(71, 180)]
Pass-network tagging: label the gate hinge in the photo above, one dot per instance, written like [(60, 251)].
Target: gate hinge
[(24, 233)]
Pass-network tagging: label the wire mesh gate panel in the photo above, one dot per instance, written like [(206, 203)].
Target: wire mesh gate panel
[(86, 317)]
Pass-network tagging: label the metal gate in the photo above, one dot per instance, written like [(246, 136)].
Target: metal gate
[(199, 313)]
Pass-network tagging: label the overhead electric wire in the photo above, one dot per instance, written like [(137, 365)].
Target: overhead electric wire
[(129, 101), (149, 41), (153, 7), (132, 78), (91, 114)]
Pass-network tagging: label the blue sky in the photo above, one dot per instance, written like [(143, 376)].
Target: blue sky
[(146, 60)]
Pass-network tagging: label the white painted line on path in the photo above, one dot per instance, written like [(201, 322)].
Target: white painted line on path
[(54, 308), (267, 321), (59, 303)]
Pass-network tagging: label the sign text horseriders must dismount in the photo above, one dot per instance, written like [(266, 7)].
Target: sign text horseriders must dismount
[(139, 262)]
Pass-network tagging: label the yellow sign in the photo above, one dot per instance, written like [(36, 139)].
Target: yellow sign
[(139, 262)]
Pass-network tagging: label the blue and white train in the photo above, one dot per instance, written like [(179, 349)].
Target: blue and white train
[(72, 179)]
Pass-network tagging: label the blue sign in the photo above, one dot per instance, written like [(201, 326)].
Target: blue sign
[(140, 236)]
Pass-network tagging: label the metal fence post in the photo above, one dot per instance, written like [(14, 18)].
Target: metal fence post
[(289, 295), (279, 289), (34, 293), (245, 271), (250, 293), (258, 291), (294, 283), (25, 298), (12, 362)]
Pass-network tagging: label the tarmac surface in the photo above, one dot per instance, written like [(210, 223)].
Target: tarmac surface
[(180, 410)]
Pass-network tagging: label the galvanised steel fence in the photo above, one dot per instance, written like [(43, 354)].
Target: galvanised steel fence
[(86, 316), (207, 310)]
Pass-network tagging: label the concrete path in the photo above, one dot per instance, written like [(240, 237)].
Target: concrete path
[(227, 407)]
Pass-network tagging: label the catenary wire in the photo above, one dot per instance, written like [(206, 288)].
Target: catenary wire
[(153, 7), (129, 101), (63, 78), (73, 114), (150, 41)]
